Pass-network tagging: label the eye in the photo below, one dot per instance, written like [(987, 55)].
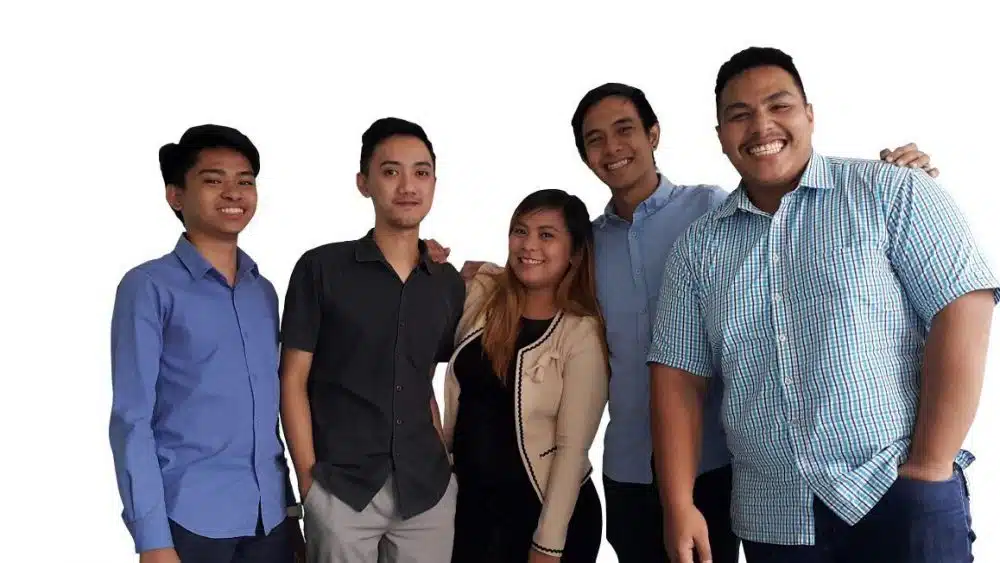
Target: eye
[(546, 235), (739, 116), (247, 182), (780, 107), (213, 181), (423, 173), (593, 141), (517, 231), (625, 130), (389, 172)]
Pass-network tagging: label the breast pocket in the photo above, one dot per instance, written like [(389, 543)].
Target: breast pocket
[(835, 280)]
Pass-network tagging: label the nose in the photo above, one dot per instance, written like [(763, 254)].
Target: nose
[(231, 191), (405, 185), (761, 124), (612, 146)]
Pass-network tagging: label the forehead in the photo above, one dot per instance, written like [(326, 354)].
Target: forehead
[(543, 218), (755, 84), (608, 111), (222, 158), (403, 149)]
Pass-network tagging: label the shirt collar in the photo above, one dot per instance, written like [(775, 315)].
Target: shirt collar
[(368, 251), (198, 266), (816, 176), (655, 201)]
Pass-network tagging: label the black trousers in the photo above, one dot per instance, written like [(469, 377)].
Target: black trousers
[(635, 518), (275, 547), (496, 526)]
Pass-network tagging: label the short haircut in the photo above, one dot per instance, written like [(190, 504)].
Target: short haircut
[(177, 159), (385, 128), (754, 57), (591, 98)]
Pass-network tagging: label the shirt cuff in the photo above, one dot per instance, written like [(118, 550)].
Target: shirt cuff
[(151, 532)]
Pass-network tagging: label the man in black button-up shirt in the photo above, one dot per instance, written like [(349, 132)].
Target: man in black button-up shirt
[(365, 324)]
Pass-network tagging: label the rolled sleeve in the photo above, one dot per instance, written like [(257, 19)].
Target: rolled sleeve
[(584, 395), (136, 345), (302, 315), (679, 339), (931, 247)]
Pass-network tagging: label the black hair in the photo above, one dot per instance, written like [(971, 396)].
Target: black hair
[(591, 98), (385, 128), (573, 209), (177, 159), (754, 57)]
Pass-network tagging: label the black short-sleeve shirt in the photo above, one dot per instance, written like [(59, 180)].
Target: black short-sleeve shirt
[(375, 343)]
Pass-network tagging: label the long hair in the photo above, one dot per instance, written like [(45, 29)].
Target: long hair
[(576, 293)]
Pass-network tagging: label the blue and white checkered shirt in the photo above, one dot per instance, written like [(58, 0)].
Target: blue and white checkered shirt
[(816, 317)]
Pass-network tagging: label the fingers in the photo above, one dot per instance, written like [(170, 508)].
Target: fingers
[(702, 545), (933, 172), (892, 156)]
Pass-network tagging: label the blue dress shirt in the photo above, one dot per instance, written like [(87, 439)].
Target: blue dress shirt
[(194, 417), (629, 262)]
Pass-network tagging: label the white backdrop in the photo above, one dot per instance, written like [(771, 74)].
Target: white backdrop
[(90, 91)]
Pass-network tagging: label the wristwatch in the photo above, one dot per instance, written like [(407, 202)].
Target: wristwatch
[(295, 511)]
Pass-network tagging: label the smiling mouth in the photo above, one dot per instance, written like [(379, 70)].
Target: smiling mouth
[(767, 149), (530, 261), (232, 211), (618, 165)]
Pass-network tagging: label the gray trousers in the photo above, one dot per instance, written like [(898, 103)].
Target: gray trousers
[(335, 533)]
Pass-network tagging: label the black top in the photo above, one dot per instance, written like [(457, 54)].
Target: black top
[(485, 439), (375, 343)]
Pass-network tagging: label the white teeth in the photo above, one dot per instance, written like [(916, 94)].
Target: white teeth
[(774, 147), (619, 164), (232, 210), (530, 261)]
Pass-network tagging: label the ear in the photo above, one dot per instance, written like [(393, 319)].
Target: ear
[(174, 194), (809, 114), (718, 134), (654, 135), (361, 181)]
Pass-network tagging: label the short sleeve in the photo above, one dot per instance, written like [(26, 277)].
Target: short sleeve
[(931, 248), (679, 339), (302, 314)]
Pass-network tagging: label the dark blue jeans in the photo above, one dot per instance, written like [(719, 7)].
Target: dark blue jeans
[(914, 522), (275, 547)]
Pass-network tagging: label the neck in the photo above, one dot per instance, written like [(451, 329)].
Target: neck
[(539, 304), (625, 200), (399, 246), (767, 197), (220, 253)]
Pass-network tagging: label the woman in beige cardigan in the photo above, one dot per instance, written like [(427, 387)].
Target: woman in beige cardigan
[(525, 391)]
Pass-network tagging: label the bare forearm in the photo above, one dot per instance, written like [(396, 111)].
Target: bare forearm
[(296, 420), (676, 402), (951, 379), (436, 416)]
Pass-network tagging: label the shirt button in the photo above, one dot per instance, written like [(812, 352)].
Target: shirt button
[(788, 381), (399, 421), (781, 338), (774, 258), (777, 297), (399, 388)]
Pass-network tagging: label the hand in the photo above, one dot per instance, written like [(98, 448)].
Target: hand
[(685, 534), (437, 252), (470, 268), (909, 156), (535, 556), (305, 483), (165, 555), (298, 542), (926, 472)]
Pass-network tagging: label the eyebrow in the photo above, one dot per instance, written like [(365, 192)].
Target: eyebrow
[(222, 172), (771, 98), (398, 163), (621, 121), (551, 227)]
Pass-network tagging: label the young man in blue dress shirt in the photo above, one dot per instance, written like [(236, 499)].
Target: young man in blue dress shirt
[(845, 309), (194, 355)]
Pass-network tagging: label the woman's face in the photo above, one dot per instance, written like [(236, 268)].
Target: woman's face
[(539, 249)]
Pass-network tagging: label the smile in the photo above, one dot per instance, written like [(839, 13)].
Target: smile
[(234, 211), (618, 165), (767, 149), (530, 261)]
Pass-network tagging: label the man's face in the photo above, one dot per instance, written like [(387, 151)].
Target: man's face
[(765, 126), (400, 181), (219, 196), (617, 146)]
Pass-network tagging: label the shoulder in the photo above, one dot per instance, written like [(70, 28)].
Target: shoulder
[(449, 276), (152, 274), (582, 331), (334, 252), (701, 198), (877, 177)]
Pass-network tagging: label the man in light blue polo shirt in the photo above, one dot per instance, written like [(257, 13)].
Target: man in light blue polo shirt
[(830, 297)]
